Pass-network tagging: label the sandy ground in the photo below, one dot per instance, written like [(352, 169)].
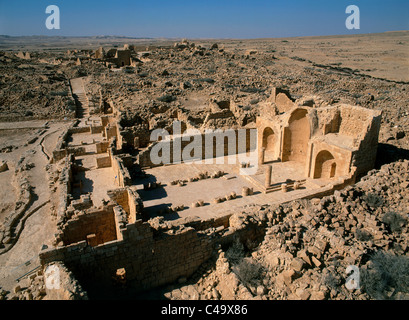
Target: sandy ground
[(39, 227)]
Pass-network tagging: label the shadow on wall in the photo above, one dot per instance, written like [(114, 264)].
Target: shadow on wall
[(82, 185), (388, 153)]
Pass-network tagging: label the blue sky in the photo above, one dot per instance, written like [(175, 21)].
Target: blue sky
[(202, 19)]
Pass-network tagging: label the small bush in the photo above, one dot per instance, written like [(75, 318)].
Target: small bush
[(373, 200), (387, 273), (394, 220), (362, 235), (248, 272), (331, 281), (235, 253)]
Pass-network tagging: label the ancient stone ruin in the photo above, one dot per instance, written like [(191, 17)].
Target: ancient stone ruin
[(121, 216), (201, 171)]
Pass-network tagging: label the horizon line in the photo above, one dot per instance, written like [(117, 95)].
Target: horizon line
[(193, 38)]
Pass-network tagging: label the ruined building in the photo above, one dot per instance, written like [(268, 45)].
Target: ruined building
[(120, 215), (118, 57)]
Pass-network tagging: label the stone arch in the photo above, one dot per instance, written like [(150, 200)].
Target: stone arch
[(296, 137), (268, 143), (325, 165)]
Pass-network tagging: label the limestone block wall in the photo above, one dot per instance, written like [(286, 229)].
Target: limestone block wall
[(329, 120), (282, 99), (77, 151), (149, 258), (219, 142), (67, 288), (354, 121), (139, 136), (135, 205), (364, 158), (65, 180), (110, 131), (103, 162), (129, 200), (296, 136), (120, 196), (122, 176), (74, 130), (96, 129), (100, 223), (102, 147), (342, 158), (59, 154), (269, 137)]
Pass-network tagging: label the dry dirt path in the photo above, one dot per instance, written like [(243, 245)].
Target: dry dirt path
[(38, 225)]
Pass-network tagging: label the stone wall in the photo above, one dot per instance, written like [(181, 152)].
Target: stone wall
[(96, 129), (296, 136), (103, 162), (150, 258), (102, 147), (342, 158), (210, 145), (75, 130), (66, 178), (122, 176), (354, 121), (129, 200), (110, 131), (364, 159), (60, 150), (98, 223)]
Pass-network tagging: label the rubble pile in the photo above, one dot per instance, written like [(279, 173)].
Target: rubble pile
[(309, 244)]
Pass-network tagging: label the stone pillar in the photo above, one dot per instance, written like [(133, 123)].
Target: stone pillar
[(244, 191), (262, 155), (267, 182)]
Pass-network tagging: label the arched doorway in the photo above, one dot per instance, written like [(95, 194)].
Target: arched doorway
[(269, 144), (296, 137), (325, 165)]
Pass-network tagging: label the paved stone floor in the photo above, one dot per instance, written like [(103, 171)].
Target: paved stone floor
[(208, 189)]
